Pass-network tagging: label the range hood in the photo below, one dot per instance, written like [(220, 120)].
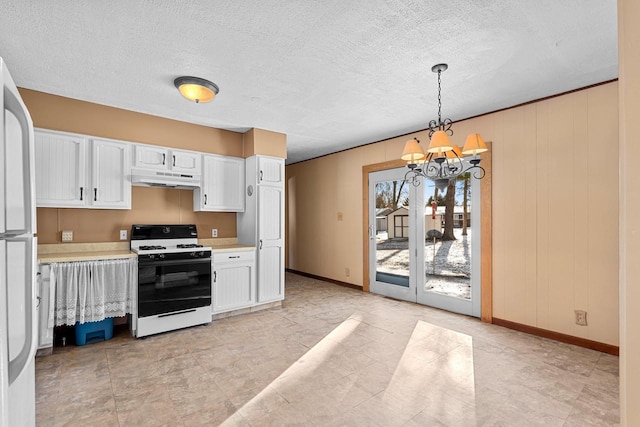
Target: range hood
[(167, 179)]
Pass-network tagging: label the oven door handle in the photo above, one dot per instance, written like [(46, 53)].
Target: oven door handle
[(147, 263)]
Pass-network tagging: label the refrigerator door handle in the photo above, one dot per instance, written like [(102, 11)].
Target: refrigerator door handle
[(28, 351), (14, 104)]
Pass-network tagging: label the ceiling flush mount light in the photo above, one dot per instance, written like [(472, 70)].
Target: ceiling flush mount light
[(443, 161), (196, 89)]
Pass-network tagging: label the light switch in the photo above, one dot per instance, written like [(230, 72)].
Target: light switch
[(123, 234)]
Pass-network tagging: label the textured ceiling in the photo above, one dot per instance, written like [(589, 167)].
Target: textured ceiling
[(331, 74)]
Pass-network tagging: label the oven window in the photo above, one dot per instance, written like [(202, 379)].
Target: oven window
[(168, 286)]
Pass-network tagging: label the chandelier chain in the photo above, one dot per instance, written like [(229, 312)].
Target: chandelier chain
[(439, 101)]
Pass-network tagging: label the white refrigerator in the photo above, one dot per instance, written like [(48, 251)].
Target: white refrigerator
[(18, 325)]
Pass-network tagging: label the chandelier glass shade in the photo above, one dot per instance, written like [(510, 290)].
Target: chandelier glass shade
[(442, 161)]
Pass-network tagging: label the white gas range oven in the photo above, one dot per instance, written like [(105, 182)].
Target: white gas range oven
[(174, 278)]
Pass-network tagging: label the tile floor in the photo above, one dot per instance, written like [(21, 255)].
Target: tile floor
[(332, 356)]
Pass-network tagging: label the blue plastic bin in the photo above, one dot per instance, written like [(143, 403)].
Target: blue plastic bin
[(90, 332)]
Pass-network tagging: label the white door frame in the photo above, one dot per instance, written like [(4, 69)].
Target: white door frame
[(416, 291)]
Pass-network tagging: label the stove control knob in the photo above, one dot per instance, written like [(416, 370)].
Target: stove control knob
[(152, 257), (161, 256)]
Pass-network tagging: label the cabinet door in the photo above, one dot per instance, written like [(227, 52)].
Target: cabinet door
[(60, 170), (270, 243), (150, 157), (270, 171), (271, 273), (232, 287), (185, 161), (223, 184), (110, 163)]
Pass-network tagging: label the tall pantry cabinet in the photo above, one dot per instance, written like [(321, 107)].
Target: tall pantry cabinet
[(262, 223)]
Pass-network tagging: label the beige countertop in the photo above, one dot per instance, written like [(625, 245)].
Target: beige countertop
[(232, 248), (69, 252)]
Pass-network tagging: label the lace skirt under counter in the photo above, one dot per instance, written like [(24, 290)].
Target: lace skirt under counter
[(89, 291)]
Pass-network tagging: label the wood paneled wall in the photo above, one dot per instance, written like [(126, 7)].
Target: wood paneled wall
[(555, 211)]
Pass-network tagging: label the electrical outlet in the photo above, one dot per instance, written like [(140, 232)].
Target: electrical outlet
[(123, 234), (67, 236), (214, 232), (581, 317)]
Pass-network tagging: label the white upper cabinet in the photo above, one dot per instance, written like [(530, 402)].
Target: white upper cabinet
[(61, 179), (270, 171), (64, 180), (186, 161), (222, 188), (160, 158), (110, 167), (150, 157)]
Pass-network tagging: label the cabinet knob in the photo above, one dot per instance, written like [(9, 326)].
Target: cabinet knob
[(174, 160), (215, 276), (164, 157), (260, 175), (205, 199), (260, 243), (95, 194), (81, 191)]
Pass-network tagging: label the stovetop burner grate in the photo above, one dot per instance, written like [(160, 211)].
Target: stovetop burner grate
[(189, 245)]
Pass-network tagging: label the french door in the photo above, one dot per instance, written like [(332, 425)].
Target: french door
[(409, 259), (392, 235)]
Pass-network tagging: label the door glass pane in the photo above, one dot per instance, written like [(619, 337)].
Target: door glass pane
[(447, 254), (392, 232)]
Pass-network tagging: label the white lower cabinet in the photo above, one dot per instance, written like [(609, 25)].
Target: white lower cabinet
[(234, 280), (45, 294)]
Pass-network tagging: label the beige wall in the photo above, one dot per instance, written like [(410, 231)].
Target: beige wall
[(629, 90), (555, 210), (149, 205), (265, 142)]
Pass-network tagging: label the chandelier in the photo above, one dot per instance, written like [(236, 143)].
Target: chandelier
[(443, 161)]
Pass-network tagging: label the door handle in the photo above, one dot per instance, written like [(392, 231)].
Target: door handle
[(28, 351), (95, 194), (81, 191), (164, 157), (371, 232)]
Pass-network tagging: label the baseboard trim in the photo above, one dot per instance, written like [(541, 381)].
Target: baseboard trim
[(557, 336), (325, 279)]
